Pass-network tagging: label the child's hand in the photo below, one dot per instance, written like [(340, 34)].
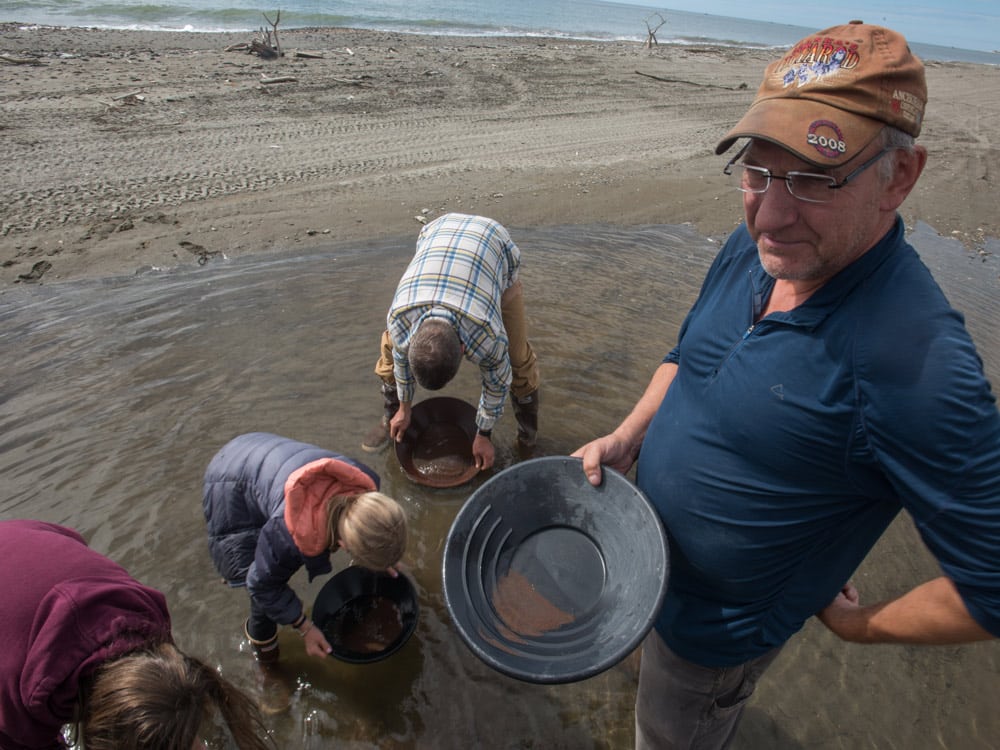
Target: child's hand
[(316, 644)]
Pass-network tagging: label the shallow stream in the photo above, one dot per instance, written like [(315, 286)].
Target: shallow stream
[(116, 393)]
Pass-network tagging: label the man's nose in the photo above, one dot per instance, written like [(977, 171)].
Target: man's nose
[(775, 207)]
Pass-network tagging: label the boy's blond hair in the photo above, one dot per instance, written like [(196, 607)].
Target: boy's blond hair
[(371, 526)]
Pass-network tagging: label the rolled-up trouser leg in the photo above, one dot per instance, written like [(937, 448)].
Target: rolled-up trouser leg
[(525, 378), (378, 436)]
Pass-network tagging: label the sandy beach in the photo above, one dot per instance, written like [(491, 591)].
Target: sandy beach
[(133, 149)]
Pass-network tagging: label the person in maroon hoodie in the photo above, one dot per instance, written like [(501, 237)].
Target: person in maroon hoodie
[(85, 644)]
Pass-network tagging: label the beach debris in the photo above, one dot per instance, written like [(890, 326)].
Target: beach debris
[(133, 97), (203, 254), (262, 45), (691, 83), (21, 60), (651, 30), (35, 274), (278, 79), (263, 49), (353, 81), (309, 55)]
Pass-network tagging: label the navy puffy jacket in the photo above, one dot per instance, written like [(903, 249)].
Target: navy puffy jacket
[(244, 504)]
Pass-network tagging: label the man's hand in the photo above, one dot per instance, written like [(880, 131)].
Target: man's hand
[(609, 450), (400, 421), (931, 613), (482, 452), (839, 614), (620, 449)]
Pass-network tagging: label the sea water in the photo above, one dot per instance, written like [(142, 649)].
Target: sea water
[(577, 19)]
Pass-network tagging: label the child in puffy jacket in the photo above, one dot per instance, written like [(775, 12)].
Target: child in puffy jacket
[(274, 505)]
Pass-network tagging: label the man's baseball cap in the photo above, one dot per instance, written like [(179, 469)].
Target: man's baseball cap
[(832, 92)]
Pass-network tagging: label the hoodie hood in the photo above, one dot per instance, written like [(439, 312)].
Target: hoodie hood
[(306, 491), (67, 609)]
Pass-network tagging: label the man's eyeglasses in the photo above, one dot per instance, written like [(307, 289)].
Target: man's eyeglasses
[(806, 186)]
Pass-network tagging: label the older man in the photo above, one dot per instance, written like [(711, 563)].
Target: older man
[(460, 297), (820, 383)]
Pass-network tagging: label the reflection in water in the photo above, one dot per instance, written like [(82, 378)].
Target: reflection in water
[(117, 393)]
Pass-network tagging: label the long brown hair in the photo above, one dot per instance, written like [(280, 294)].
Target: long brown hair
[(160, 699)]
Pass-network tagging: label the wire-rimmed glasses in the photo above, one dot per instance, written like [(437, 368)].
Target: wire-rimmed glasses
[(811, 187)]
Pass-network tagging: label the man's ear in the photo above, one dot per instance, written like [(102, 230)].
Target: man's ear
[(907, 170)]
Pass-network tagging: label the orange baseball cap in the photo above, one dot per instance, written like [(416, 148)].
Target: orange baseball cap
[(832, 92)]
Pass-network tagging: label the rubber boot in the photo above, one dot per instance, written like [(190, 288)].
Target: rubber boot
[(378, 436), (526, 413), (274, 691), (265, 652)]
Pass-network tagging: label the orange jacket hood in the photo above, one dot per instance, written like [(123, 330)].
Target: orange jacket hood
[(306, 491)]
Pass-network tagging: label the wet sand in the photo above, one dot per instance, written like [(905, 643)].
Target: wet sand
[(132, 150)]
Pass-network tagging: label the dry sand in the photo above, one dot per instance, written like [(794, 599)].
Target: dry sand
[(131, 149)]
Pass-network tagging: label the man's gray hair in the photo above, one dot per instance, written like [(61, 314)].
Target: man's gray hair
[(893, 138)]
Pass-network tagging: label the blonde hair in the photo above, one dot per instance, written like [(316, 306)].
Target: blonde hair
[(371, 526), (159, 699)]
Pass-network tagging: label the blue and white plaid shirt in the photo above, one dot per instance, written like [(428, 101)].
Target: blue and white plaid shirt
[(462, 266)]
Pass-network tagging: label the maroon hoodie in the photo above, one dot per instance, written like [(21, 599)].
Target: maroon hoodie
[(64, 610)]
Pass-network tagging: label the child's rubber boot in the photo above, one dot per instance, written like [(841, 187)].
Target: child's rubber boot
[(265, 652)]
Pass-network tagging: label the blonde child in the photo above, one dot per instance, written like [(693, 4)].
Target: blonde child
[(274, 505)]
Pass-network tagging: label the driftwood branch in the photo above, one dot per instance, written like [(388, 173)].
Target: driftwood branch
[(20, 60), (651, 30), (691, 83), (262, 45), (278, 79), (352, 82), (267, 45), (274, 25)]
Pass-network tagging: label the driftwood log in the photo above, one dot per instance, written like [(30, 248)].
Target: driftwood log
[(691, 83), (21, 60), (353, 82), (266, 44), (263, 49)]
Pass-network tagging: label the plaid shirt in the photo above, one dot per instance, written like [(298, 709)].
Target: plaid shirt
[(462, 265)]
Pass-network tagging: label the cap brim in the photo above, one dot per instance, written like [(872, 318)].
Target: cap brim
[(817, 133)]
